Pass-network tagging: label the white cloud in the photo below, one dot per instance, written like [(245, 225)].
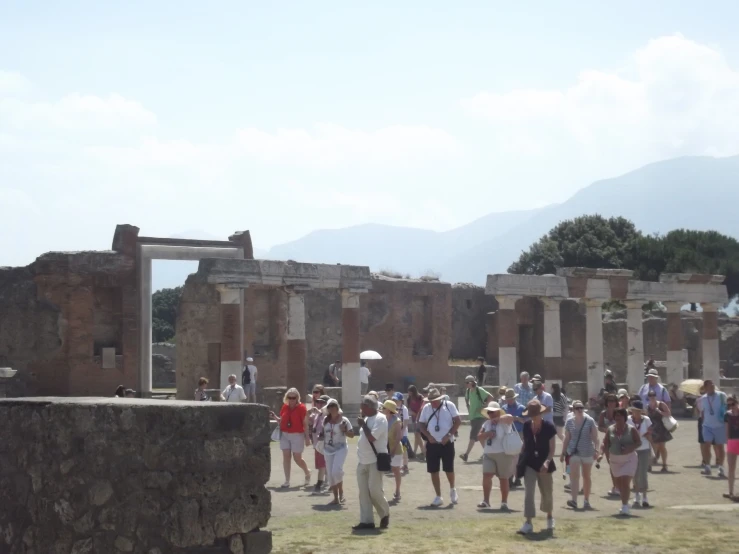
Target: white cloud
[(12, 82), (673, 97)]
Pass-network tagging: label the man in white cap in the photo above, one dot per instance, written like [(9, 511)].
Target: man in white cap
[(653, 384), (439, 421), (249, 380)]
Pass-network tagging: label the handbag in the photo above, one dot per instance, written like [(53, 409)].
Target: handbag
[(383, 459), (670, 424), (512, 442), (320, 446), (276, 434)]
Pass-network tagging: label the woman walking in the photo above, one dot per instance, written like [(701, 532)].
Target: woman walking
[(415, 404), (294, 436), (731, 418), (394, 443), (605, 420), (620, 444), (315, 424), (581, 446), (336, 429), (537, 464), (495, 462), (561, 409), (658, 411), (639, 421), (200, 394)]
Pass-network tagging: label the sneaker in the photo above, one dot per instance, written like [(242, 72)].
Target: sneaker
[(285, 485), (454, 496), (706, 469), (464, 457), (384, 522), (483, 505), (526, 529), (317, 488), (503, 507), (721, 473), (307, 479), (572, 504), (586, 505), (637, 499), (625, 510), (645, 504), (550, 524), (614, 492), (438, 501), (396, 497)]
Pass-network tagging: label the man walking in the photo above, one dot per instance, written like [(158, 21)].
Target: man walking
[(476, 399), (653, 384), (249, 379), (545, 399), (523, 389), (481, 371), (372, 441), (233, 392), (439, 421), (713, 408), (364, 377)]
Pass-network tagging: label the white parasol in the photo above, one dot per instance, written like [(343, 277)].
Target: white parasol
[(370, 355)]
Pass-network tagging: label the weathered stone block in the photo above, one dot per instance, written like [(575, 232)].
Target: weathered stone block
[(257, 542), (87, 475)]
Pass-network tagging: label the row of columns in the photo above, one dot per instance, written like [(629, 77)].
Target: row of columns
[(508, 330), (232, 342)]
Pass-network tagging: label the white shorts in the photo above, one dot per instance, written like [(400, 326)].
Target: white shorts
[(580, 460), (294, 442), (396, 461)]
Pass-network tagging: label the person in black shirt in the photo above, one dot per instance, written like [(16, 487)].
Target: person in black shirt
[(536, 465), (481, 371)]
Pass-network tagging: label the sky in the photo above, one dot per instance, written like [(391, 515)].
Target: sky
[(283, 118)]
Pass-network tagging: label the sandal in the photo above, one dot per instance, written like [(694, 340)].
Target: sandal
[(342, 500), (483, 504)]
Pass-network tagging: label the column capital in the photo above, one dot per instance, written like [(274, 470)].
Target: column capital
[(633, 304), (551, 302), (349, 298), (711, 307), (592, 302), (507, 302), (673, 307), (229, 295)]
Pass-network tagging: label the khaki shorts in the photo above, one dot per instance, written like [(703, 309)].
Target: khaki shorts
[(294, 442), (502, 465)]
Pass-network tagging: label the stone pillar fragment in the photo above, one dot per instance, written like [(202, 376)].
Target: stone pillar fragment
[(634, 346), (350, 385), (296, 351), (231, 335), (145, 308), (507, 339), (675, 372), (552, 339), (594, 345), (711, 358)]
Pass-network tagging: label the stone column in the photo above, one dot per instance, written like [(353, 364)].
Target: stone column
[(552, 339), (711, 358), (594, 345), (634, 347), (296, 352), (145, 325), (231, 335), (507, 339), (674, 371), (350, 387)]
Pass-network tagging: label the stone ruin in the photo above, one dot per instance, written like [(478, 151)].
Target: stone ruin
[(102, 475)]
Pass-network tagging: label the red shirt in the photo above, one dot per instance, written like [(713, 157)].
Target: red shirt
[(295, 417)]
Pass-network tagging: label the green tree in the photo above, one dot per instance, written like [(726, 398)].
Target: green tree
[(164, 304), (586, 241)]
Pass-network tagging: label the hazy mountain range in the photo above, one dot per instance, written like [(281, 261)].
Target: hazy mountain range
[(692, 192)]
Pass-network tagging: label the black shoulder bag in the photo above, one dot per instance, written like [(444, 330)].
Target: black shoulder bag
[(383, 459)]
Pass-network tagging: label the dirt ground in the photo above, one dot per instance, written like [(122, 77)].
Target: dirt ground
[(688, 513)]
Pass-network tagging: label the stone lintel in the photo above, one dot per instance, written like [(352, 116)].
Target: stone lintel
[(506, 284), (593, 273), (683, 293), (305, 276), (692, 278)]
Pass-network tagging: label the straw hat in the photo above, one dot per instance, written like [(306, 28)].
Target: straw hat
[(622, 393), (390, 406), (491, 407), (510, 393), (652, 373), (534, 408), (434, 394), (637, 406)]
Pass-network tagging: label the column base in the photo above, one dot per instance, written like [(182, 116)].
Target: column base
[(674, 371), (507, 367)]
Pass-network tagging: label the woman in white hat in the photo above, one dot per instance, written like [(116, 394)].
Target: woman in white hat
[(394, 444), (495, 462), (336, 429)]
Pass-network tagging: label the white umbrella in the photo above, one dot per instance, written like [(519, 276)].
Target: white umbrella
[(370, 355)]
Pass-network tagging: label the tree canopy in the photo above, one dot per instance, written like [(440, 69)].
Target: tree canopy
[(164, 304), (615, 243)]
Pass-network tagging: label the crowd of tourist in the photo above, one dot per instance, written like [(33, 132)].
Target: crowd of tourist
[(517, 430)]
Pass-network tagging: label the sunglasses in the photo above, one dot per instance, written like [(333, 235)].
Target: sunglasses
[(316, 392), (580, 409), (292, 397)]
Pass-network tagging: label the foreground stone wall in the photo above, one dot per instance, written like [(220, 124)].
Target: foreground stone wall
[(114, 475)]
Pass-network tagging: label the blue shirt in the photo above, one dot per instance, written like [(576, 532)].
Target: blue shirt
[(546, 400), (713, 409), (515, 410), (524, 393)]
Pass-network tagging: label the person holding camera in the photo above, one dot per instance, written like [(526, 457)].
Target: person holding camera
[(620, 445), (581, 447), (371, 447)]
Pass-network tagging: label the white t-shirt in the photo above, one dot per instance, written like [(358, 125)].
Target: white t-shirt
[(234, 394), (441, 418), (378, 427), (252, 373), (646, 423), (364, 374), (334, 438), (406, 420), (495, 445)]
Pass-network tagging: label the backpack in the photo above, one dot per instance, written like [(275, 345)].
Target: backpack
[(246, 376)]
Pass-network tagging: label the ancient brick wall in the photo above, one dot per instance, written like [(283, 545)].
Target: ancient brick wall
[(470, 306), (58, 314), (118, 475), (265, 333)]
